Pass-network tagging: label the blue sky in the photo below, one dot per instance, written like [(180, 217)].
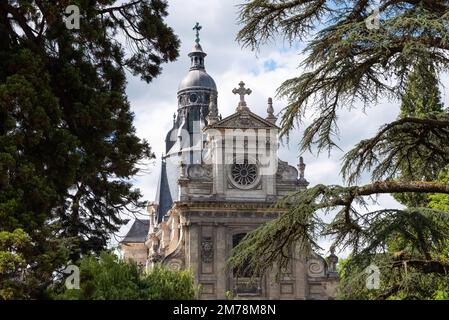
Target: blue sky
[(155, 103)]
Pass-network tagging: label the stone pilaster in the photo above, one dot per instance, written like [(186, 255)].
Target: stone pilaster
[(221, 261)]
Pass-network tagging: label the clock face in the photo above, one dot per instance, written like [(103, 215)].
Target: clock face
[(244, 174), (193, 97)]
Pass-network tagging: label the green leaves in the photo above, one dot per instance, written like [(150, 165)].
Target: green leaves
[(441, 201), (110, 278), (12, 260), (346, 63), (68, 148), (398, 145)]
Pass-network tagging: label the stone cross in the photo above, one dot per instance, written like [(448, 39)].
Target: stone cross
[(241, 91), (197, 28)]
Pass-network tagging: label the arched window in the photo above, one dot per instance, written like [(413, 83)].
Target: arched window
[(244, 271), (243, 284)]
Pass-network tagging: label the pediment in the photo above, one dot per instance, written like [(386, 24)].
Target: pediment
[(243, 120)]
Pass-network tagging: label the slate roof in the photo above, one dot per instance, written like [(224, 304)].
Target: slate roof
[(138, 232), (197, 79), (167, 189)]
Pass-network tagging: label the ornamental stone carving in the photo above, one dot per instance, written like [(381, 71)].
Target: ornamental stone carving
[(207, 250), (286, 172), (175, 265), (315, 267), (245, 122), (200, 172)]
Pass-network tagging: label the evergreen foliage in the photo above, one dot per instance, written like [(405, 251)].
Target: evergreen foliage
[(68, 148), (349, 65), (421, 99), (441, 201), (109, 278)]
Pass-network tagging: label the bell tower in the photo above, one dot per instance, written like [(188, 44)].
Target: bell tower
[(195, 93)]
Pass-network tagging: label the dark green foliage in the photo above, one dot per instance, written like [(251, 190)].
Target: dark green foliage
[(422, 233), (441, 201), (349, 65), (68, 149), (424, 230), (391, 151), (109, 278), (12, 244), (345, 61), (422, 94), (398, 280), (421, 99)]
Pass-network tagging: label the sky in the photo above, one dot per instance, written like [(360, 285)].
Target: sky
[(263, 72)]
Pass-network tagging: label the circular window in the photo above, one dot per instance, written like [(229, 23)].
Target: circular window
[(193, 98), (244, 174)]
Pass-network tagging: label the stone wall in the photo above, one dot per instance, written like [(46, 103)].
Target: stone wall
[(137, 252)]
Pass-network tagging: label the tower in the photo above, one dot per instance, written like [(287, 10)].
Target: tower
[(195, 92)]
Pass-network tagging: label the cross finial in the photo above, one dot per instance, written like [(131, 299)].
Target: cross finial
[(241, 91), (197, 28)]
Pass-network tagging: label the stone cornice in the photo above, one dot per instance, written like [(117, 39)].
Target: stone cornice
[(225, 206)]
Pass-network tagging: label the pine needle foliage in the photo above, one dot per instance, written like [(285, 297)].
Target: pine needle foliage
[(68, 147), (349, 64)]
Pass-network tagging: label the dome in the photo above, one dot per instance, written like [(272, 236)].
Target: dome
[(196, 79)]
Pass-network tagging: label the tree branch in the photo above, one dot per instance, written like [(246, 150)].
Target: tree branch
[(391, 186), (118, 8)]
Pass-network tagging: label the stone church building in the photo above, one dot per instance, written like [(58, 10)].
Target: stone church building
[(219, 180)]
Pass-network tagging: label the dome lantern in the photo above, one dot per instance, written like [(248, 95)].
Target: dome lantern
[(197, 78)]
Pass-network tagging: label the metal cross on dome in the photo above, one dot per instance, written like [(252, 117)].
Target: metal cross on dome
[(197, 28), (241, 91)]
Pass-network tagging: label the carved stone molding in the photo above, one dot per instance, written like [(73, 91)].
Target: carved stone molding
[(285, 172), (200, 172), (155, 257), (228, 205), (174, 265), (315, 267), (244, 120), (232, 214)]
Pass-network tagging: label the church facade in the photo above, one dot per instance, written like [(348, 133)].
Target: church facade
[(219, 180)]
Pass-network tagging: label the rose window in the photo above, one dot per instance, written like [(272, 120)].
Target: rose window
[(244, 174)]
